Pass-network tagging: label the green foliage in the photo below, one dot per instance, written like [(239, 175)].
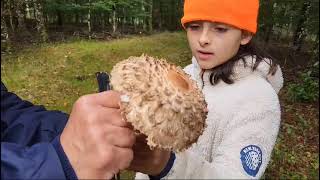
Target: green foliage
[(133, 7), (307, 90), (295, 155), (296, 20)]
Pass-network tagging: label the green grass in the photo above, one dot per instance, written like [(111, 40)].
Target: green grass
[(55, 75)]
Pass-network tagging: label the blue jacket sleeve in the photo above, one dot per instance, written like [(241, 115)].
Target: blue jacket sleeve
[(39, 161), (26, 124), (166, 170), (30, 140)]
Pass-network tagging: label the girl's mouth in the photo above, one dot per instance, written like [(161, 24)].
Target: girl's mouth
[(204, 55)]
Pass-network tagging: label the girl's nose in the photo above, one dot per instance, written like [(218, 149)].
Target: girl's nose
[(204, 38)]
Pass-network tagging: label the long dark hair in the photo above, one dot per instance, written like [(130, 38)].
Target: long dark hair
[(224, 71)]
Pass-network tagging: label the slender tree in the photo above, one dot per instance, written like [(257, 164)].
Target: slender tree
[(5, 38), (299, 33), (89, 19), (41, 27)]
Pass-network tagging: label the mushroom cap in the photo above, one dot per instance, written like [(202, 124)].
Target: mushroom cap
[(163, 102)]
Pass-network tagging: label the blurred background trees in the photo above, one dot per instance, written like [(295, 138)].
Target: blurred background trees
[(284, 23), (292, 21)]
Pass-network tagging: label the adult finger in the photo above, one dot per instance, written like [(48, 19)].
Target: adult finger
[(111, 116), (120, 136), (124, 156), (109, 99)]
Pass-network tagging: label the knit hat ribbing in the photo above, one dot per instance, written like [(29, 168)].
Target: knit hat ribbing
[(242, 14)]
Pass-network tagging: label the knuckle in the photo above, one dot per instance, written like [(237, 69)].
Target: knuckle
[(127, 136), (132, 138), (110, 118), (130, 155), (106, 155), (126, 159), (82, 103), (91, 118), (94, 134), (83, 100)]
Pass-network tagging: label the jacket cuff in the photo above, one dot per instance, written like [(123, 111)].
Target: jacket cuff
[(166, 170), (67, 168)]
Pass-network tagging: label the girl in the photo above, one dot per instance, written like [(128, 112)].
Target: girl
[(240, 85)]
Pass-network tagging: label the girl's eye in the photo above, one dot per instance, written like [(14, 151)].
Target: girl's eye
[(220, 29), (194, 27)]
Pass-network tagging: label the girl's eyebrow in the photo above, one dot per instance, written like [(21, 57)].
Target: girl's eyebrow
[(214, 24), (219, 24), (196, 22)]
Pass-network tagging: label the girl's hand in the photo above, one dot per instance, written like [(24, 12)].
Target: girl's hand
[(148, 161)]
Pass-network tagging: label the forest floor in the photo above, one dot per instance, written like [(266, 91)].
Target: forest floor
[(56, 74)]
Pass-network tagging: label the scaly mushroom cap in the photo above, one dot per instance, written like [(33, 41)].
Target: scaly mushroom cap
[(163, 102)]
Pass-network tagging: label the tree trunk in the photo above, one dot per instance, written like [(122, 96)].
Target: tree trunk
[(144, 20), (103, 23), (114, 20), (169, 16), (11, 16), (5, 38), (315, 49), (76, 15), (41, 28), (267, 16), (34, 10), (93, 21), (107, 18), (4, 30), (89, 19), (60, 21), (123, 20), (156, 14), (20, 13), (299, 33), (76, 19), (134, 24), (28, 15), (268, 33), (150, 12), (173, 15), (180, 12)]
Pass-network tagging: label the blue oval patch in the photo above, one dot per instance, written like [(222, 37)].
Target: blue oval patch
[(251, 158)]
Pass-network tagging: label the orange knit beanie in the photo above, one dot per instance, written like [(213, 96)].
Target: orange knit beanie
[(242, 14)]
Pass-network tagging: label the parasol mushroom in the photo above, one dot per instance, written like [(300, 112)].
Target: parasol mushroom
[(161, 102)]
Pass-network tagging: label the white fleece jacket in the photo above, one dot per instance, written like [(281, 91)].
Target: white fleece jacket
[(242, 126)]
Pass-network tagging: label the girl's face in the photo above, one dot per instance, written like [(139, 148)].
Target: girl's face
[(213, 44)]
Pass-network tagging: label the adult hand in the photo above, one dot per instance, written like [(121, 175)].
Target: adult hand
[(148, 161), (96, 140)]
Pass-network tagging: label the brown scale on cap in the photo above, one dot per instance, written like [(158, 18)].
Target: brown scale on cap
[(163, 102)]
